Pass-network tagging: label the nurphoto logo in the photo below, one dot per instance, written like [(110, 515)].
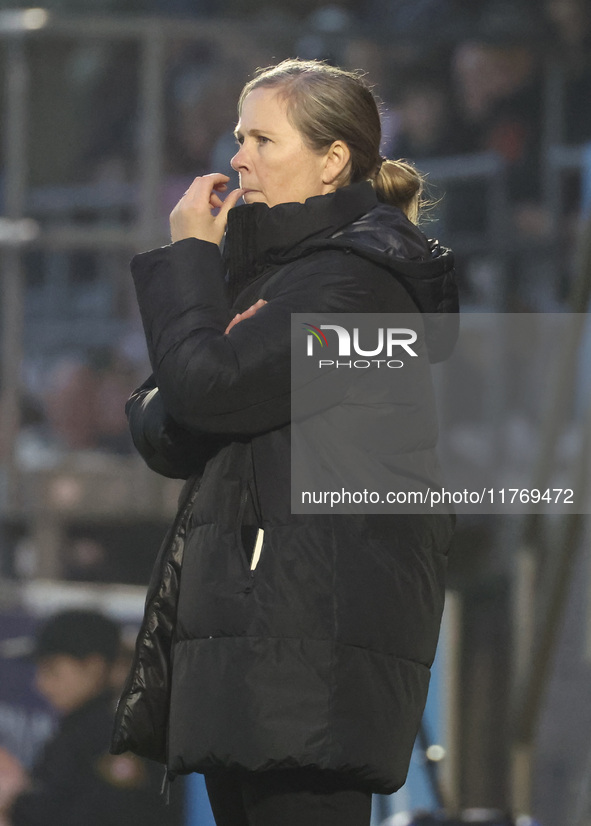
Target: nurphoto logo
[(387, 339)]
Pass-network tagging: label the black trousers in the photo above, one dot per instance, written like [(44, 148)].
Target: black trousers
[(286, 798)]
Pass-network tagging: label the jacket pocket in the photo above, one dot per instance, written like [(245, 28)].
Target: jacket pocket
[(254, 550), (249, 523), (258, 547), (250, 531)]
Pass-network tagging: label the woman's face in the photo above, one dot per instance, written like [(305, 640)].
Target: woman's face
[(274, 164)]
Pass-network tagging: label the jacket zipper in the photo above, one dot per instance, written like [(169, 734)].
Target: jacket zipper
[(258, 545), (256, 554)]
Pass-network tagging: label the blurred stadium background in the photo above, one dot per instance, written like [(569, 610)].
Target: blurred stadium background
[(108, 109)]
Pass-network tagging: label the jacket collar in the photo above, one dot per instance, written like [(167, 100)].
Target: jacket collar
[(258, 235)]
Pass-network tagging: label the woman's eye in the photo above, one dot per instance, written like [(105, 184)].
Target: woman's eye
[(262, 139)]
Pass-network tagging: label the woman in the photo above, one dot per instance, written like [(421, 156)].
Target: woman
[(296, 685)]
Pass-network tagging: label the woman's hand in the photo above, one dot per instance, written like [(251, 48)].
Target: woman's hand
[(246, 314), (192, 216)]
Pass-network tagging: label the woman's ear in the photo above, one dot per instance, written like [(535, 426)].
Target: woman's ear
[(337, 161)]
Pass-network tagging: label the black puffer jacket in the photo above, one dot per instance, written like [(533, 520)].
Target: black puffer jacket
[(320, 656)]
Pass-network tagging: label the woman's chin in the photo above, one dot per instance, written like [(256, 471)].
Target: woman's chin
[(252, 196)]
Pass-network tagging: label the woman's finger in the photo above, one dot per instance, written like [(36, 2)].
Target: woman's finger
[(234, 321), (253, 309), (230, 201), (204, 184), (192, 217), (246, 314)]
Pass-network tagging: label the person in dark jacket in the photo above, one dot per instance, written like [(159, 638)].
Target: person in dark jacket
[(285, 656), (76, 781)]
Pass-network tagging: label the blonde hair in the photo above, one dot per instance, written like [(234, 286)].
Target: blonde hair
[(401, 184), (325, 104)]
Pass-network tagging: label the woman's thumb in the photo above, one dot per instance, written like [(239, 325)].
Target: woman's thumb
[(230, 201)]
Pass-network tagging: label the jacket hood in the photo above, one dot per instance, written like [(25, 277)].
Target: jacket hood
[(423, 266), (351, 219)]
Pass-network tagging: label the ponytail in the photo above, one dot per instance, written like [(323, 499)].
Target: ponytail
[(398, 183)]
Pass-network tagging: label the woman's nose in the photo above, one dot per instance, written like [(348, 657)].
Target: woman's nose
[(238, 162)]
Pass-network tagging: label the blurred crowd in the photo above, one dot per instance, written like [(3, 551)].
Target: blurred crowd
[(454, 77)]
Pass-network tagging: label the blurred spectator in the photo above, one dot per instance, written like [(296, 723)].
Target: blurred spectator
[(115, 380), (86, 560), (201, 115), (85, 402), (70, 404), (106, 84), (76, 780), (376, 61), (427, 123), (498, 89), (570, 22), (201, 100)]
